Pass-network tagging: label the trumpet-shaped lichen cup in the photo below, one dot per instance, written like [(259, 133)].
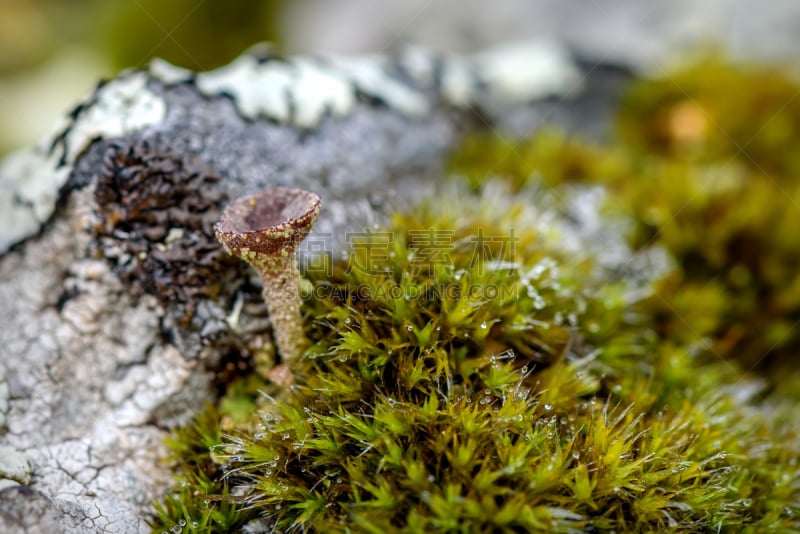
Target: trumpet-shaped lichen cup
[(265, 230)]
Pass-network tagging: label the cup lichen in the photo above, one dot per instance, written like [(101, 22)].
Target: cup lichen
[(265, 230)]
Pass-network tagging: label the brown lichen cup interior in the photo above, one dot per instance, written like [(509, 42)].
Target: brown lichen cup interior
[(268, 222)]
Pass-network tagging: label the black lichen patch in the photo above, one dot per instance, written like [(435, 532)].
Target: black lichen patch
[(156, 215)]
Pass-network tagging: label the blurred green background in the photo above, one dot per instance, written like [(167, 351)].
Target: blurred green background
[(53, 51)]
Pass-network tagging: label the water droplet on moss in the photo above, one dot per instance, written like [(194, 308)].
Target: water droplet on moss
[(524, 369), (548, 407), (182, 522), (347, 320)]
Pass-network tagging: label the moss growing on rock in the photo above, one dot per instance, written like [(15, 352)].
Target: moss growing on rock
[(475, 366), (705, 163)]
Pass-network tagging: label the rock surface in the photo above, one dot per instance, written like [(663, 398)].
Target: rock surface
[(118, 307)]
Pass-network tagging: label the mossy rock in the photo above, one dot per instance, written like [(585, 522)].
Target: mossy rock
[(470, 372)]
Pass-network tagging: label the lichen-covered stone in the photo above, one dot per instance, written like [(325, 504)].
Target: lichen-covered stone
[(112, 332)]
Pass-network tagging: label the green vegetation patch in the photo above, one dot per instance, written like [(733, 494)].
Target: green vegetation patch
[(475, 367)]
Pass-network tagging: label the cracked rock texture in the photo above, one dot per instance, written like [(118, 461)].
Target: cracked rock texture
[(117, 309)]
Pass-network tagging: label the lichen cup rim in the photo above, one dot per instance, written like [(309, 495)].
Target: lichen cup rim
[(270, 221)]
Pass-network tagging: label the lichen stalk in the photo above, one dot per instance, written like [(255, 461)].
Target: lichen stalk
[(282, 295)]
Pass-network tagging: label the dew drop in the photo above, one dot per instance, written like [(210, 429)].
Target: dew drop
[(347, 320), (278, 506), (410, 328), (176, 529), (438, 328), (548, 407), (286, 435), (182, 522), (487, 391), (484, 325), (276, 457), (343, 357), (195, 524), (524, 369)]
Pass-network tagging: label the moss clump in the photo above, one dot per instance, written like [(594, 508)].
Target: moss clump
[(501, 389), (477, 366), (705, 163)]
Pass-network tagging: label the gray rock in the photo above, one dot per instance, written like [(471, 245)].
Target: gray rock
[(3, 396)]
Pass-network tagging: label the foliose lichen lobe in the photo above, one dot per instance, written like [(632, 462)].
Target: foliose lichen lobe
[(156, 211)]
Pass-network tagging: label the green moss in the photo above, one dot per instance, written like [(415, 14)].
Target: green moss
[(471, 370), (705, 163)]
